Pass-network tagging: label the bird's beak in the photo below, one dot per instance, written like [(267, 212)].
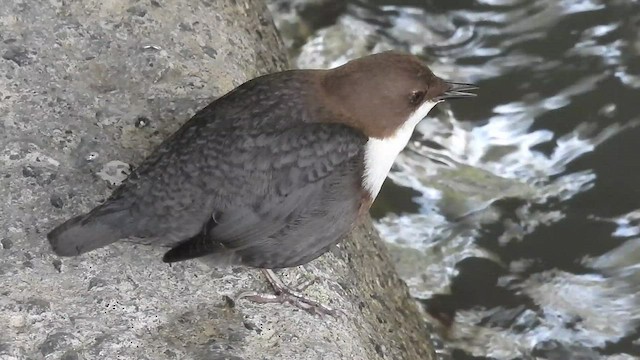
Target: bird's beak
[(458, 91)]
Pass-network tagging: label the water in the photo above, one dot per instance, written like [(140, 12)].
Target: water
[(515, 217)]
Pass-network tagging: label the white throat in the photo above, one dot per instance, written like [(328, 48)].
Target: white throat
[(381, 153)]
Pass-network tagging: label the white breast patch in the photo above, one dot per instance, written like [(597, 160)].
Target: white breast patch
[(381, 153)]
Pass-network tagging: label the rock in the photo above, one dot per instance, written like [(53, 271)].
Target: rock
[(56, 201), (92, 85)]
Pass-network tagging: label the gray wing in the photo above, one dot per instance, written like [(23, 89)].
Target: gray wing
[(273, 199), (254, 162)]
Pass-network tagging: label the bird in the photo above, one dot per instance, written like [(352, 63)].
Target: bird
[(272, 174)]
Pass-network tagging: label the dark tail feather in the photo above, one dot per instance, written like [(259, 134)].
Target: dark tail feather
[(101, 227), (192, 248), (196, 246)]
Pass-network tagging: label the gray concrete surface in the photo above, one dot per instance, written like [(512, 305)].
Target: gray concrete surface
[(87, 88)]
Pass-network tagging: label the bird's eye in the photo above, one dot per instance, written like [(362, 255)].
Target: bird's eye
[(416, 97)]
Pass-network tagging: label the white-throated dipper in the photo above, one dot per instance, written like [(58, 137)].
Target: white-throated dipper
[(273, 173)]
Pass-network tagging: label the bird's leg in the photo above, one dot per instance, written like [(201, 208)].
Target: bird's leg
[(284, 293)]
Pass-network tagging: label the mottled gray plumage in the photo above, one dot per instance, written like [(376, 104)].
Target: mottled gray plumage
[(273, 173), (250, 177)]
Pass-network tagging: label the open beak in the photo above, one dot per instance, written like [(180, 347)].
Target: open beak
[(458, 91)]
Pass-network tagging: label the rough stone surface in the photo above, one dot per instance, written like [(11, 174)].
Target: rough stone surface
[(87, 88)]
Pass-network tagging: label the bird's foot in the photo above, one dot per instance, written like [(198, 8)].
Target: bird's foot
[(285, 294)]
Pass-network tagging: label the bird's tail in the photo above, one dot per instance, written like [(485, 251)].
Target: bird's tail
[(100, 227)]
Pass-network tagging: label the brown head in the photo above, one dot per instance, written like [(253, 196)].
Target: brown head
[(378, 93)]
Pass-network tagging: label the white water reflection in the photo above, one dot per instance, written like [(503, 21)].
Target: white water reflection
[(474, 167), (580, 311)]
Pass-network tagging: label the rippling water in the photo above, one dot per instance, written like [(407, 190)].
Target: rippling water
[(515, 217)]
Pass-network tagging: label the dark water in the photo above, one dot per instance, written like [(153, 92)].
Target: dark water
[(515, 217)]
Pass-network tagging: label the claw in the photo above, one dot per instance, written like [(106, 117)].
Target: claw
[(284, 294)]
